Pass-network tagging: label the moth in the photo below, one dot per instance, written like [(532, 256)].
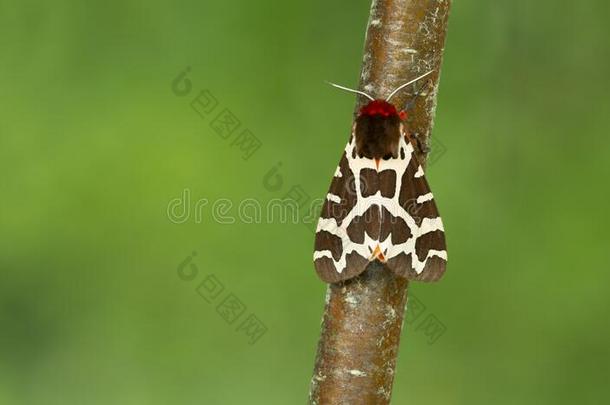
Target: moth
[(379, 206)]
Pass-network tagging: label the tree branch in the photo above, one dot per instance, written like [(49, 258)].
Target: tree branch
[(363, 317)]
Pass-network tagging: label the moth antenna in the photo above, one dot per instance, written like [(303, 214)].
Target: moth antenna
[(406, 84), (351, 90)]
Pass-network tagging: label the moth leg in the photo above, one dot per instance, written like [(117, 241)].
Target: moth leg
[(422, 147), (419, 92)]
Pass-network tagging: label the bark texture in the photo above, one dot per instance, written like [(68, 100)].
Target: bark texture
[(363, 317)]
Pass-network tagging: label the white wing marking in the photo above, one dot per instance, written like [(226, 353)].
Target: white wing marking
[(391, 204)]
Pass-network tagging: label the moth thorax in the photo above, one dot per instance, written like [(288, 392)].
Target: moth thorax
[(377, 130)]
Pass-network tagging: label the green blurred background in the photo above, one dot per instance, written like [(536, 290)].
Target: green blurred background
[(94, 145)]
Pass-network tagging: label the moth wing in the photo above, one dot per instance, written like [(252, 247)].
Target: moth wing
[(337, 256), (412, 233)]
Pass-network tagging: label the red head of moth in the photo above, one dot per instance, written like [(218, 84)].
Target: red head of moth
[(381, 108)]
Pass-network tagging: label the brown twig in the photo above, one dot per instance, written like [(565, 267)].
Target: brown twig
[(363, 317)]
